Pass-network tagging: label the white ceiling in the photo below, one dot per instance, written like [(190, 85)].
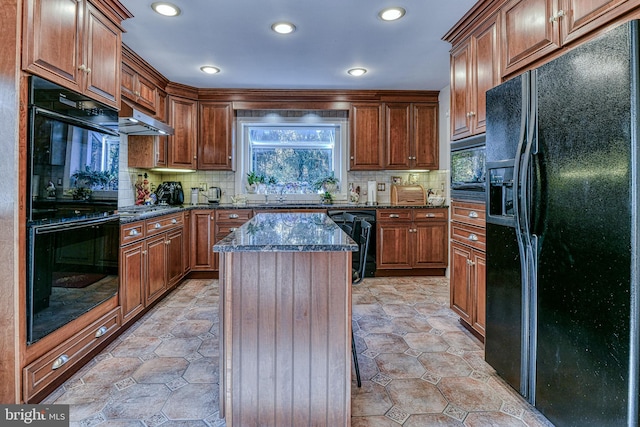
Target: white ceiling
[(331, 37)]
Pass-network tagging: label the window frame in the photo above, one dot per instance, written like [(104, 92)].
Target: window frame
[(340, 154)]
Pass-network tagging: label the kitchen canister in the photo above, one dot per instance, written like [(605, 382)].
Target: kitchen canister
[(194, 195)]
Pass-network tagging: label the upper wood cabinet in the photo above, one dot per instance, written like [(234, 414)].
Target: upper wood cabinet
[(475, 68), (581, 16), (215, 136), (139, 89), (73, 43), (411, 136), (181, 146), (367, 136)]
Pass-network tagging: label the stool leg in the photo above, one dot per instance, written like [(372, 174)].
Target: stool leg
[(355, 359)]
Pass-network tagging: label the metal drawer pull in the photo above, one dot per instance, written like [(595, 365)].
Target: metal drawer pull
[(158, 225), (473, 237), (470, 263), (234, 216), (60, 361), (133, 232), (394, 216), (232, 229), (173, 221), (430, 215), (101, 331), (473, 214)]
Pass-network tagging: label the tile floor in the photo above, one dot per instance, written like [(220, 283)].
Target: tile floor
[(419, 366)]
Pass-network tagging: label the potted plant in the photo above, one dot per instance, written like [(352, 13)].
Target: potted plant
[(85, 181), (326, 198), (253, 180), (328, 184)]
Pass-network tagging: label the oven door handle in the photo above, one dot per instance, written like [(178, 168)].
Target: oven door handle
[(75, 121), (72, 225)]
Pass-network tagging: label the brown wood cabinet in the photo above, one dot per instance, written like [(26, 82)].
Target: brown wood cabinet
[(75, 44), (202, 239), (215, 136), (367, 136), (183, 117), (475, 68), (468, 265), (411, 131), (144, 151), (132, 279), (139, 89), (412, 238), (226, 221)]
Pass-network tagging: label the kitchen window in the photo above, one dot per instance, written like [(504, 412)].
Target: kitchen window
[(291, 153)]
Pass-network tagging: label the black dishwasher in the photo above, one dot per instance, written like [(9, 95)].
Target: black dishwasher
[(368, 215)]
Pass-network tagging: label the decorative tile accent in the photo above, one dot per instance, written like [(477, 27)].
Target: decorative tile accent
[(412, 352), (455, 351), (214, 420), (400, 333), (177, 383), (93, 420), (480, 376), (430, 377), (370, 354), (125, 383), (206, 335), (166, 337), (71, 384), (381, 379), (361, 333), (398, 415), (455, 413), (103, 356), (148, 356), (512, 409), (435, 331), (193, 356), (156, 420)]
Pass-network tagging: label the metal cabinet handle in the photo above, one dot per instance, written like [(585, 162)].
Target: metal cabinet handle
[(234, 216), (168, 242), (473, 214), (233, 229), (82, 67), (470, 263), (144, 252), (430, 215), (211, 217), (158, 225), (554, 18), (473, 237), (59, 362), (101, 331), (394, 216), (133, 232), (88, 70), (352, 157), (173, 221), (229, 157)]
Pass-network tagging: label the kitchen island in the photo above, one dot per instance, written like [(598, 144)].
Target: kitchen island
[(285, 322)]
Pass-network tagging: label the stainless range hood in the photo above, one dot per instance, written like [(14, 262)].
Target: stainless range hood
[(132, 121)]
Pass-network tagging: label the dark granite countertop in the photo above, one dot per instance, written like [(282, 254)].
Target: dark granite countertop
[(137, 213), (288, 232)]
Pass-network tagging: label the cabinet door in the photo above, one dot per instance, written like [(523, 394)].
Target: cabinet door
[(147, 94), (102, 58), (215, 137), (461, 91), (128, 82), (394, 246), (431, 245), (131, 292), (186, 242), (175, 246), (480, 293), (424, 132), (52, 40), (528, 32), (582, 16), (156, 268), (367, 137), (398, 136), (202, 236), (486, 73), (460, 281), (183, 117)]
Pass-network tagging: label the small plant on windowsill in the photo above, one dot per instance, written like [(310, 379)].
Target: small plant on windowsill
[(328, 184), (253, 180), (326, 198)]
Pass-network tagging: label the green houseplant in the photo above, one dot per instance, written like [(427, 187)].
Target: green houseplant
[(253, 180), (87, 180), (328, 184)]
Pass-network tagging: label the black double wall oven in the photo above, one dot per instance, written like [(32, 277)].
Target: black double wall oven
[(72, 232)]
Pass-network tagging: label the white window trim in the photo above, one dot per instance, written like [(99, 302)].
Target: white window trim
[(341, 152)]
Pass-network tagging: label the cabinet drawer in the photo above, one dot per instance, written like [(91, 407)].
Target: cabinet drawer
[(429, 214), (224, 229), (383, 215), (469, 235), (163, 223), (44, 370), (241, 215), (469, 213), (132, 232)]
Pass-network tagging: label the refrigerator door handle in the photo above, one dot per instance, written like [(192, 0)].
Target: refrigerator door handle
[(531, 308)]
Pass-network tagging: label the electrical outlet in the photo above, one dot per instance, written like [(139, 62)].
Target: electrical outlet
[(381, 186)]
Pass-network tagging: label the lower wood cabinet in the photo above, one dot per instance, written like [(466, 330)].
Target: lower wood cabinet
[(202, 240), (468, 265), (412, 238)]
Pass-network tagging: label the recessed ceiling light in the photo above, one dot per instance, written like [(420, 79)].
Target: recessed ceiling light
[(283, 27), (166, 9), (392, 13), (357, 71), (209, 69)]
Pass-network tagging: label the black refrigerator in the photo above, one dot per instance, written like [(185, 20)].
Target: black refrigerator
[(563, 233)]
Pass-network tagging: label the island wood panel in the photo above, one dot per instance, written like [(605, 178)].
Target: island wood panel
[(286, 355)]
